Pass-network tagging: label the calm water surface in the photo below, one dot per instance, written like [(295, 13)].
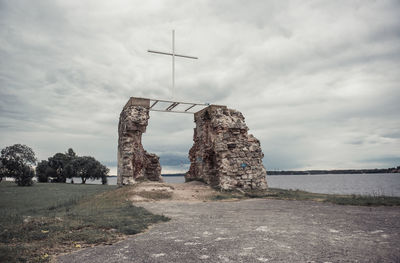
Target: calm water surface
[(366, 184)]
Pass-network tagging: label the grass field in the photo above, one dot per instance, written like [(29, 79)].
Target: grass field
[(39, 221), (276, 193)]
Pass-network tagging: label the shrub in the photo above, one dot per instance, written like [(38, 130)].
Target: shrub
[(25, 177), (41, 173)]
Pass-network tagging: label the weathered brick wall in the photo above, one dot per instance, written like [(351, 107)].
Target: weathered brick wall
[(224, 155)]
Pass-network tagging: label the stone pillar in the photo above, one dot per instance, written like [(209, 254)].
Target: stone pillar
[(224, 155), (134, 163)]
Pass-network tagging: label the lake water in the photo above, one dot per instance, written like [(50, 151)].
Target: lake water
[(366, 184)]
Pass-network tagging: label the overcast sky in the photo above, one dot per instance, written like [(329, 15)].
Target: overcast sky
[(318, 81)]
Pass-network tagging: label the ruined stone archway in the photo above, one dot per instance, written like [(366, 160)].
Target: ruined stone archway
[(223, 155)]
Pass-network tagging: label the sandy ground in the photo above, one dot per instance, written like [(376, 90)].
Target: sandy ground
[(188, 192), (256, 230)]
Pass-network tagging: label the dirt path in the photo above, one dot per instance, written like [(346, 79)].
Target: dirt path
[(256, 230)]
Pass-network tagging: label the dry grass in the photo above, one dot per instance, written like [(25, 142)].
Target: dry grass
[(45, 219), (276, 193)]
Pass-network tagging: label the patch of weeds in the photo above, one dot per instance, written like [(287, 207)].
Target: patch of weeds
[(86, 235), (12, 254), (290, 194), (359, 200), (228, 194), (71, 202)]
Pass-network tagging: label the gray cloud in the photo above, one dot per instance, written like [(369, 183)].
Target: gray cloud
[(316, 80)]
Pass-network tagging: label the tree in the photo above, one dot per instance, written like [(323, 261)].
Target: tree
[(50, 172), (25, 178), (87, 167), (2, 171), (61, 163), (41, 171), (70, 153), (61, 166), (58, 163), (104, 178), (17, 161)]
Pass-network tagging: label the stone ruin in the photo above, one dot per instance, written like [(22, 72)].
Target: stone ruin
[(223, 155), (134, 163)]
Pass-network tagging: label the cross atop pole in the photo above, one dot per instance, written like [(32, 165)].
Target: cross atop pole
[(173, 55)]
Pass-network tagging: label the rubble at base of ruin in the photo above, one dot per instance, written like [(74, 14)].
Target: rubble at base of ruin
[(224, 155)]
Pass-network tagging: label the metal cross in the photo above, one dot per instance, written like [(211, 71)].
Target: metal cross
[(173, 54)]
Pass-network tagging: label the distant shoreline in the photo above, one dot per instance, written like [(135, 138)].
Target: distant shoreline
[(178, 174), (161, 175), (344, 171)]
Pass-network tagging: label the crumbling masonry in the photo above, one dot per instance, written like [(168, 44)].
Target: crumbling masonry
[(223, 155), (134, 163)]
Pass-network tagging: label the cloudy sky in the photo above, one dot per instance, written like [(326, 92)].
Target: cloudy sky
[(318, 81)]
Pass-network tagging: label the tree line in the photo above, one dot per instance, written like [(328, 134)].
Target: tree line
[(17, 161)]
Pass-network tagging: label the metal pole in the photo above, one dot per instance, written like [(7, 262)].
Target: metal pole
[(173, 63), (173, 54)]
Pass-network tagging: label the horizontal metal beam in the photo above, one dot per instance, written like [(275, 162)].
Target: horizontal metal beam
[(171, 54), (175, 111), (182, 102), (173, 104)]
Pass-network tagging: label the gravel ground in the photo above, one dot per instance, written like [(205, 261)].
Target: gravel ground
[(258, 230)]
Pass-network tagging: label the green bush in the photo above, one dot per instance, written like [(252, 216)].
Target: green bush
[(25, 177), (41, 171)]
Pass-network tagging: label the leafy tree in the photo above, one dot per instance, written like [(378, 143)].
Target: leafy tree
[(61, 166), (17, 161), (41, 171), (25, 178), (70, 153), (61, 163), (58, 163), (2, 171), (87, 167), (50, 172)]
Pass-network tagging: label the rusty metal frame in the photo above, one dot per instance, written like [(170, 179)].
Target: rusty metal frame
[(173, 104)]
